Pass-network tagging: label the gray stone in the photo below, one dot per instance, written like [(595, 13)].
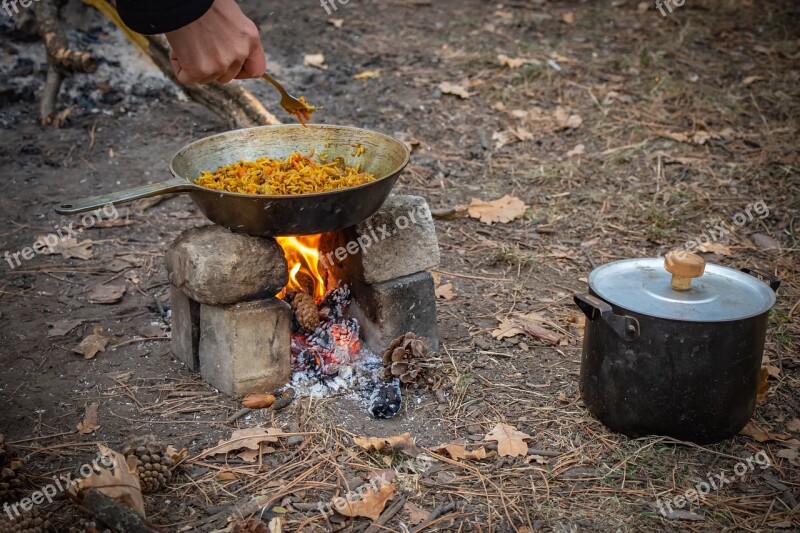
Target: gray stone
[(215, 266), (398, 240), (245, 348), (389, 309), (185, 328)]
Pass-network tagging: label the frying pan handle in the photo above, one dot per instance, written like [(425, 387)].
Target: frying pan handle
[(123, 197)]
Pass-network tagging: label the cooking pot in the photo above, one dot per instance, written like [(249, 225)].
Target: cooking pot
[(674, 346)]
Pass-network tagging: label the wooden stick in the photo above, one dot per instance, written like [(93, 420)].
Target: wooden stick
[(55, 41), (387, 515), (52, 86), (436, 513), (61, 59), (232, 102)]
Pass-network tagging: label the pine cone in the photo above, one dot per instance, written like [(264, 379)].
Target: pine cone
[(152, 462), (305, 311), (405, 359), (12, 478), (27, 522)]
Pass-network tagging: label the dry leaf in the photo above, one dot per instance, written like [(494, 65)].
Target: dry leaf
[(370, 503), (568, 17), (502, 210), (752, 79), (578, 150), (791, 454), (753, 431), (62, 327), (249, 439), (502, 138), (401, 443), (258, 401), (106, 294), (452, 88), (698, 138), (89, 423), (315, 60), (512, 135), (793, 425), (516, 62), (177, 455), (445, 291), (251, 456), (368, 74), (416, 515), (508, 327), (765, 242), (407, 139), (566, 120), (525, 324), (337, 23), (715, 248), (510, 441), (68, 247), (457, 450), (122, 484), (93, 344)]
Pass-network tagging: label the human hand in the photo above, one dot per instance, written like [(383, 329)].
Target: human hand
[(221, 45)]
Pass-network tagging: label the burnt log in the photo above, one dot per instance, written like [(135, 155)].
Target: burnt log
[(61, 59)]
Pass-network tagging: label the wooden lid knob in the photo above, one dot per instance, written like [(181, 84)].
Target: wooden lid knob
[(684, 267)]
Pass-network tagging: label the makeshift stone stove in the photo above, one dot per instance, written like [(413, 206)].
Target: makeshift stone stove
[(255, 314)]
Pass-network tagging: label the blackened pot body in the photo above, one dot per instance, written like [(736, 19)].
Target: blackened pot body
[(694, 381)]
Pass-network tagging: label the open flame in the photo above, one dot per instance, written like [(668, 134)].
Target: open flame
[(302, 256)]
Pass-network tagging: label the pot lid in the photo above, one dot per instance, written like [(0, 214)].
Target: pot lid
[(690, 290)]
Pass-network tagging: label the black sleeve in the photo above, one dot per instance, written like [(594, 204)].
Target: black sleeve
[(160, 16)]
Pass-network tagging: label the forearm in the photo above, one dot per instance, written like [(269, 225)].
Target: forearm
[(161, 16)]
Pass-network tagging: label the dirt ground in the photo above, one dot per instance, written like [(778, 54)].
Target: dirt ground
[(625, 132)]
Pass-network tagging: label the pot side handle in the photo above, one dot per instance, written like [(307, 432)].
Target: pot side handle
[(625, 326), (774, 282)]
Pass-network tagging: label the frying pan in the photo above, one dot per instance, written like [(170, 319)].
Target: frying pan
[(261, 215)]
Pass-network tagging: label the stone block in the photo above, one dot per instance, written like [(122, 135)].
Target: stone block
[(389, 309), (185, 328), (398, 240), (246, 348), (215, 266)]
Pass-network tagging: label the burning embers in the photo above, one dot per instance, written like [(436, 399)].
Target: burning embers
[(323, 337), (327, 353), (333, 342)]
